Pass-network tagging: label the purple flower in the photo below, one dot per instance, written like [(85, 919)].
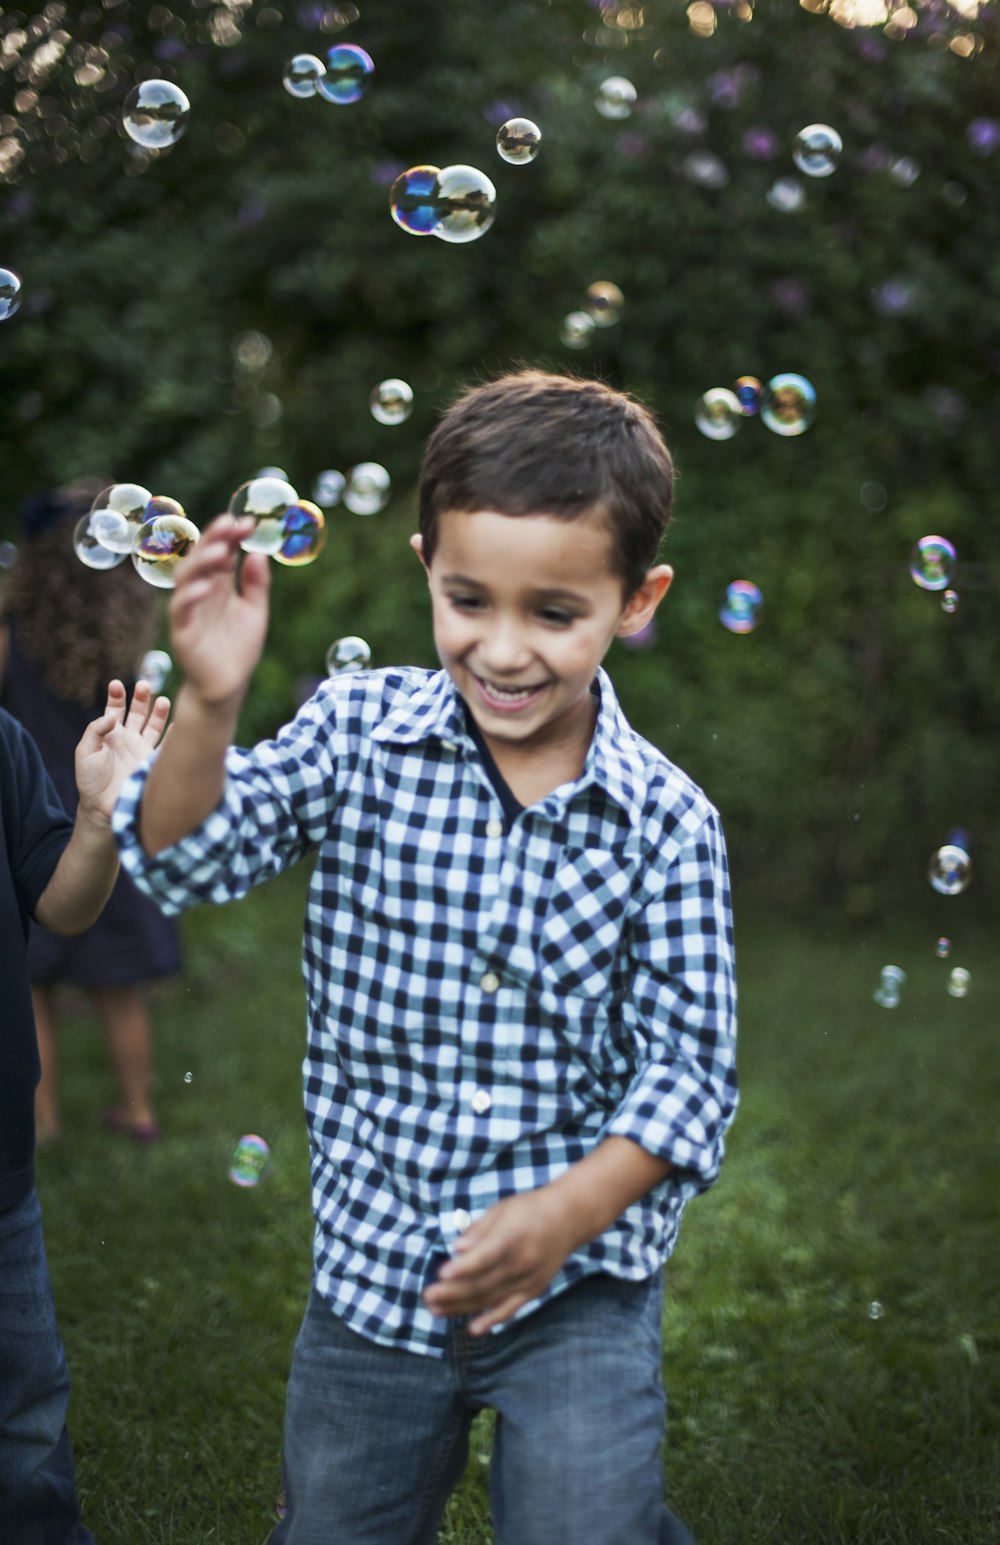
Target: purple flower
[(983, 135), (760, 144)]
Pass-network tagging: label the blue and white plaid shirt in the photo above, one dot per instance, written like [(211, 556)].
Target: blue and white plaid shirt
[(483, 1008)]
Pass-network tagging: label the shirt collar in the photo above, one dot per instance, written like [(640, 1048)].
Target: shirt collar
[(614, 761)]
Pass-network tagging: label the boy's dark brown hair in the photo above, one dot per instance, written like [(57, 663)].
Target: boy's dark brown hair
[(535, 444)]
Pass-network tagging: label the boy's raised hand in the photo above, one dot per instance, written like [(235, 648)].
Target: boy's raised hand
[(113, 745), (216, 629)]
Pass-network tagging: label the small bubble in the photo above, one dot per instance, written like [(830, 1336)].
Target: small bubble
[(786, 195), (942, 948), (748, 392), (349, 72), (518, 141), (603, 302), (932, 560), (10, 293), (249, 1161), (303, 74), (949, 602), (391, 401), (873, 497), (576, 329), (950, 870), (117, 514), (789, 404), (155, 114), (154, 667), (817, 150), (188, 1077), (740, 610), (958, 982), (8, 555), (367, 489), (90, 551), (347, 655), (616, 97), (718, 413), (328, 488), (875, 1310)]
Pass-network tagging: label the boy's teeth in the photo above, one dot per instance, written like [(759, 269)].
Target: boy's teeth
[(510, 691)]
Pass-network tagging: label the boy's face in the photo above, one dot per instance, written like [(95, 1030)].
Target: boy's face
[(524, 609)]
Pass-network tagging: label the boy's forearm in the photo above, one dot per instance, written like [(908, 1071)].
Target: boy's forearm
[(597, 1189), (82, 880), (186, 781)]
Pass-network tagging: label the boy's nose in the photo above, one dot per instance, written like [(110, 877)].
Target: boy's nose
[(505, 649)]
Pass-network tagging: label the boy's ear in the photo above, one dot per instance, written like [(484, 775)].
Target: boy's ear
[(641, 605), (417, 543)]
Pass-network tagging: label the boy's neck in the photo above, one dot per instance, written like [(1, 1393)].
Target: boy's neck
[(532, 771)]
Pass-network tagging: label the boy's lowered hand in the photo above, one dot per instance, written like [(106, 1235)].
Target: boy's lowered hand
[(503, 1260)]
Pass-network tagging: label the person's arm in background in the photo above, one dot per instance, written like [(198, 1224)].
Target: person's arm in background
[(111, 747), (217, 635)]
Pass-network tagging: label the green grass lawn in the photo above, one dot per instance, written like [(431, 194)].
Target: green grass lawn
[(832, 1325)]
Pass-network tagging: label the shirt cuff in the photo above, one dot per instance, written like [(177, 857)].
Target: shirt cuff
[(673, 1119), (179, 876)]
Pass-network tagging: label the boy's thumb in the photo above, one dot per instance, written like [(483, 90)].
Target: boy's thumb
[(255, 576)]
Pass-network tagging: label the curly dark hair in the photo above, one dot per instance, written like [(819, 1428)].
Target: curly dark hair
[(79, 626)]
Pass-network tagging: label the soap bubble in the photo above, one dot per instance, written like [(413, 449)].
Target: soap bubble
[(518, 140), (748, 392), (739, 611), (603, 302), (413, 200), (155, 114), (368, 488), (786, 195), (931, 562), (466, 204), (942, 948), (577, 329), (718, 413), (10, 293), (949, 602), (349, 72), (188, 1077), (267, 499), (90, 551), (272, 472), (162, 542), (873, 496), (817, 150), (789, 404), (303, 75), (888, 991), (249, 1161), (875, 1310), (116, 515), (8, 554), (346, 655), (154, 667), (328, 488), (615, 97), (958, 982), (391, 402), (303, 535), (950, 870)]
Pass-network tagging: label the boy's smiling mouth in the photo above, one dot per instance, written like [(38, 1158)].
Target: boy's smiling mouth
[(506, 699)]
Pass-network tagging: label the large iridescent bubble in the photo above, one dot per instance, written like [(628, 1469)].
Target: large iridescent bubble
[(349, 71), (155, 114), (788, 406), (10, 293), (718, 413), (932, 562), (267, 500), (90, 551), (413, 200), (347, 655), (466, 204), (116, 515), (303, 534), (161, 544)]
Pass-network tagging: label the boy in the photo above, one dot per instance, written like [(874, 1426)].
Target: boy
[(60, 872), (518, 967)]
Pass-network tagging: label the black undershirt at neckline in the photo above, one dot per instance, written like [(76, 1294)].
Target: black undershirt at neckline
[(509, 801)]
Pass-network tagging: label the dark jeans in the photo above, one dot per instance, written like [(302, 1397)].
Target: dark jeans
[(38, 1503), (376, 1437)]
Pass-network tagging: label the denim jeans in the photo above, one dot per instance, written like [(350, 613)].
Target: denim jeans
[(38, 1503), (376, 1437)]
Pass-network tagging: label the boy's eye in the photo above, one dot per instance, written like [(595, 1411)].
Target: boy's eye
[(465, 603), (558, 618)]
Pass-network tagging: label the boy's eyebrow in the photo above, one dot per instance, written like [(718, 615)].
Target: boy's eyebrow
[(544, 592)]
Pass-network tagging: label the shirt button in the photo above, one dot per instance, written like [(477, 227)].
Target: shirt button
[(494, 828), (450, 745), (462, 1219), (481, 1102), (489, 982)]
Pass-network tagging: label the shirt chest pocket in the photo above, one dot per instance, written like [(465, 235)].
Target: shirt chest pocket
[(582, 921)]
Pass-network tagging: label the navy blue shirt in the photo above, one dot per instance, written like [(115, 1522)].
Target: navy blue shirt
[(34, 830)]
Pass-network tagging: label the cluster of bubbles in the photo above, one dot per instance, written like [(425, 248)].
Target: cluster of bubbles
[(786, 405), (249, 1161), (347, 655), (615, 98), (740, 611), (391, 401), (10, 293), (518, 140), (601, 306), (456, 204), (932, 563), (126, 520), (887, 993), (290, 530), (950, 870), (155, 114), (343, 77)]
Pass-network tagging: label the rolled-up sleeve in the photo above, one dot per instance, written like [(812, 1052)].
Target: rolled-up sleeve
[(680, 1011), (275, 807)]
